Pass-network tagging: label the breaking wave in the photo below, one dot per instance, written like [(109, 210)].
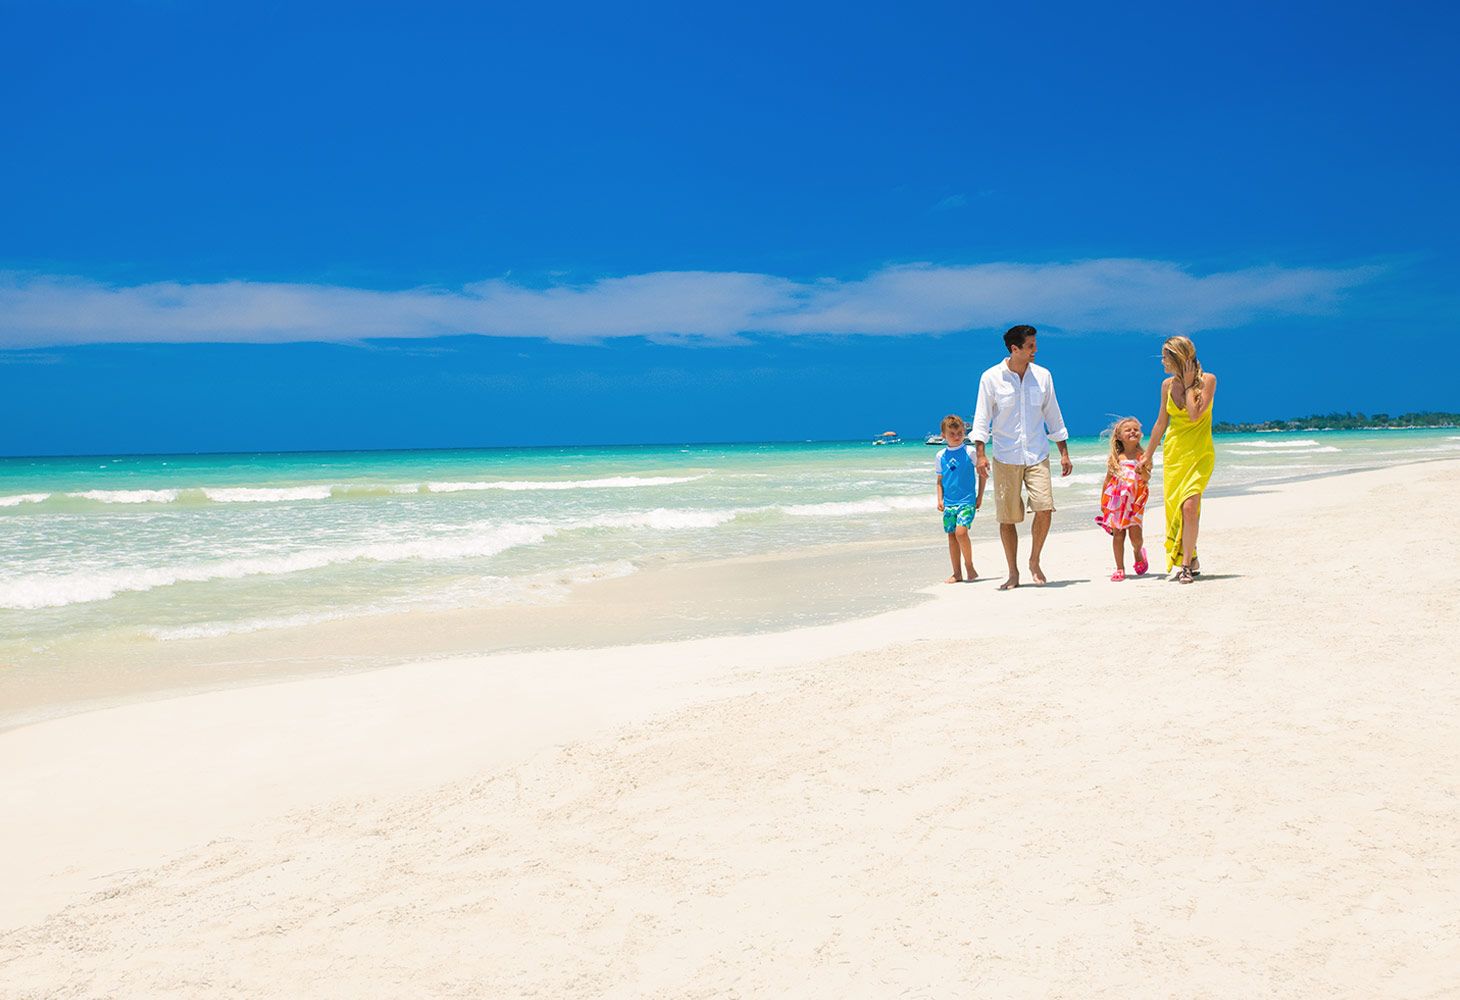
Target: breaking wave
[(1303, 443), (327, 491), (1320, 450), (608, 483), (876, 505), (27, 593)]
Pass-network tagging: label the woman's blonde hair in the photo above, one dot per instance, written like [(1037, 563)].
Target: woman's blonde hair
[(1182, 353), (1117, 446)]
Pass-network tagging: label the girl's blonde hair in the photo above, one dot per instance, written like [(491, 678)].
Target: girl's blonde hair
[(1117, 446), (1182, 353)]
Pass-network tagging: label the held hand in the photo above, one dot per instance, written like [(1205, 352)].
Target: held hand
[(982, 465), (1066, 466)]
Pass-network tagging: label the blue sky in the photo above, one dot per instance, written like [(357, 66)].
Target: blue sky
[(299, 226)]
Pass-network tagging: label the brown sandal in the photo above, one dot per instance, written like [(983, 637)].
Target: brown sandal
[(1186, 575)]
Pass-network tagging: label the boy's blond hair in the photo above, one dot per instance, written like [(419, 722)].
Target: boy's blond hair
[(953, 420)]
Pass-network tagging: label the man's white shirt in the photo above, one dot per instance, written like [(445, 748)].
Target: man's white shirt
[(1013, 413)]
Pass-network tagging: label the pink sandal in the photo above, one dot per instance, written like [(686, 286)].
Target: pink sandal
[(1117, 576), (1142, 563)]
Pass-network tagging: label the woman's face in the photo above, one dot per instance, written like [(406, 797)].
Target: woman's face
[(1168, 363)]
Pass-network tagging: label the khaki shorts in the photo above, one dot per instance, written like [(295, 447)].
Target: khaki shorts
[(1008, 505)]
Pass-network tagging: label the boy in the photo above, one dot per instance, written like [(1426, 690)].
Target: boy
[(956, 498)]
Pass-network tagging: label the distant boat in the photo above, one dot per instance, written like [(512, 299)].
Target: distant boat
[(887, 437)]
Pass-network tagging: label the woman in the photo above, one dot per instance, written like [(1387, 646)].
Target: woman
[(1184, 431)]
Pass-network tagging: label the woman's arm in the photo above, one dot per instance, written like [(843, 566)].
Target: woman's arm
[(1208, 390), (1158, 429)]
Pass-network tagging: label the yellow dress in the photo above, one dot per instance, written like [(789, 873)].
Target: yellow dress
[(1187, 460)]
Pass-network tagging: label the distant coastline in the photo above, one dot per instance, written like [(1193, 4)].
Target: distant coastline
[(1344, 422)]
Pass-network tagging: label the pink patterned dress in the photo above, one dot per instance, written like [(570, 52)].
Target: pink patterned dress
[(1123, 501)]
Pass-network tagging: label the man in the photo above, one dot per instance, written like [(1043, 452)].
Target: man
[(1018, 414)]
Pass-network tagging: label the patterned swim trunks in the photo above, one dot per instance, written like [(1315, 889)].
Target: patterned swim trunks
[(957, 515)]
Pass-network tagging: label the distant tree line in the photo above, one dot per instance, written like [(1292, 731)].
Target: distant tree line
[(1342, 422)]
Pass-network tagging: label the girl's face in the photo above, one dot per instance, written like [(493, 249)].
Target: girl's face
[(1130, 434)]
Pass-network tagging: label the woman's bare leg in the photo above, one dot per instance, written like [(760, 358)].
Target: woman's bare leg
[(1190, 521)]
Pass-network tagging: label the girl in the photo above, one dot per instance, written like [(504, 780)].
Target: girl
[(1123, 499), (1187, 454)]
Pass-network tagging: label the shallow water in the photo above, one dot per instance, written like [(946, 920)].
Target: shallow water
[(148, 550)]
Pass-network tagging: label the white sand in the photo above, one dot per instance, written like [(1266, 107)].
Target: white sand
[(1245, 788)]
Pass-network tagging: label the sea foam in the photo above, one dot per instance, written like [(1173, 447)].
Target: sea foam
[(127, 496), (20, 498), (241, 494), (662, 519), (875, 505), (1303, 443), (43, 591), (609, 482), (327, 491)]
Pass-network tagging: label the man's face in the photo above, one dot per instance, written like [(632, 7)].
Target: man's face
[(1025, 354)]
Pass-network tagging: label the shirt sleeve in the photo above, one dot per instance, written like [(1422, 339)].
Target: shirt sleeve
[(938, 461), (1053, 418), (982, 413)]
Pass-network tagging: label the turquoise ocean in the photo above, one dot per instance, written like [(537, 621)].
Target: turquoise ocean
[(150, 550)]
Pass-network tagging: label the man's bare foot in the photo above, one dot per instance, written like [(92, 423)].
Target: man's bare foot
[(954, 579), (970, 575), (1038, 575), (1010, 583)]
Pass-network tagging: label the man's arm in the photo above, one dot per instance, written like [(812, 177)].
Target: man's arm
[(983, 419), (1054, 420)]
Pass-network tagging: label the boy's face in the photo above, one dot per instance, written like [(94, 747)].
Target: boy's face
[(954, 436)]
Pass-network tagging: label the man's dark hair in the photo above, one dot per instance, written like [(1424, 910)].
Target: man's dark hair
[(1016, 335)]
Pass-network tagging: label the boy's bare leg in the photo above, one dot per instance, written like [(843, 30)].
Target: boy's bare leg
[(1009, 535), (1118, 543), (1038, 534), (965, 545), (953, 555)]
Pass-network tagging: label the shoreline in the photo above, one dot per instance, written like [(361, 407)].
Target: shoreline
[(660, 602), (985, 790)]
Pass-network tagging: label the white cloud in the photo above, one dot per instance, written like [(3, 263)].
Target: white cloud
[(715, 307)]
